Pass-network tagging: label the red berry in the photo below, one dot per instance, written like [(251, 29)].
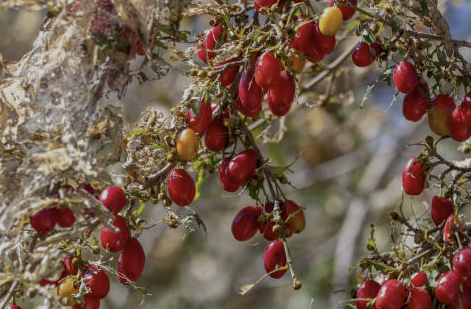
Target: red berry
[(90, 303), (266, 70), (347, 12), (201, 120), (113, 198), (250, 94), (418, 280), (131, 261), (460, 130), (416, 103), (97, 281), (296, 222), (369, 289), (44, 220), (225, 182), (419, 299), (405, 76), (391, 295), (65, 217), (313, 55), (228, 76), (249, 112), (275, 257), (261, 5), (462, 265), (245, 223), (441, 209), (376, 46), (70, 268), (14, 307), (448, 288), (413, 179), (87, 187), (324, 44), (217, 135), (242, 167), (466, 108), (281, 94), (303, 37), (447, 231), (181, 187), (362, 55), (115, 241), (464, 300), (266, 229)]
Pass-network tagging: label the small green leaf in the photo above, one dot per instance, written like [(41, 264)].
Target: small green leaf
[(352, 25), (425, 11), (139, 211), (199, 182)]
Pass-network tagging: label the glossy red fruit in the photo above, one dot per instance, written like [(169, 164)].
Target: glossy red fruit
[(369, 289), (460, 130), (266, 70), (418, 280), (249, 112), (181, 187), (275, 257), (14, 307), (44, 220), (376, 48), (295, 222), (347, 12), (115, 241), (113, 198), (416, 103), (281, 94), (323, 43), (413, 179), (405, 76), (89, 303), (245, 223), (242, 167), (250, 94), (448, 288), (462, 265), (441, 209), (419, 299), (447, 231), (97, 281), (217, 135), (69, 267), (132, 260), (228, 76), (303, 37), (362, 55), (200, 120), (391, 295), (466, 108), (262, 5), (225, 182), (65, 217), (266, 229), (313, 55), (464, 300), (440, 113)]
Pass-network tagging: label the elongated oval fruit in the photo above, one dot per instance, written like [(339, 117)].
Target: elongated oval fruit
[(131, 260), (462, 265), (113, 198), (181, 187), (281, 94), (303, 37), (440, 113), (115, 241), (225, 182), (266, 70), (65, 217), (245, 224), (275, 257), (187, 145), (405, 76), (44, 220), (447, 230), (391, 295), (416, 103), (330, 21), (413, 179), (296, 63), (441, 209), (217, 135), (250, 94), (242, 167), (347, 13), (362, 55), (296, 222), (323, 43), (448, 288), (459, 129), (419, 299), (66, 289), (369, 289), (200, 121), (97, 281)]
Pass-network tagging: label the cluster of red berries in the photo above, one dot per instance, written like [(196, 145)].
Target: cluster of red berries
[(444, 118)]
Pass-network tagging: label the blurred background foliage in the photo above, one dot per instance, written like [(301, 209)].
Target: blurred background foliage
[(347, 161)]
